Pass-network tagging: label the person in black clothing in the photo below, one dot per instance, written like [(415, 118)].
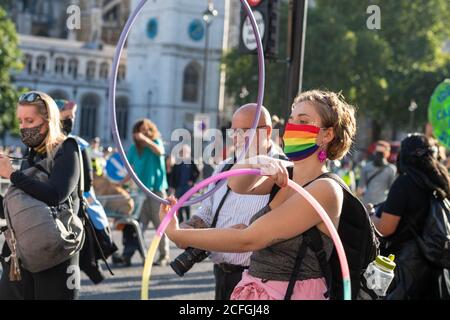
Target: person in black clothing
[(90, 253), (40, 131), (182, 178), (67, 111), (406, 207)]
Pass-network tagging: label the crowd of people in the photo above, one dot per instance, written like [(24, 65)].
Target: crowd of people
[(253, 226)]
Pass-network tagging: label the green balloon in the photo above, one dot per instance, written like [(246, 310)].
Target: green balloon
[(439, 112)]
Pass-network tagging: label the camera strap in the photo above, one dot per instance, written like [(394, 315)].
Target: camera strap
[(222, 201), (216, 215)]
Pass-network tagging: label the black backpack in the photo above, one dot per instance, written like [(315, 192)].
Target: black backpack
[(360, 241), (435, 239)]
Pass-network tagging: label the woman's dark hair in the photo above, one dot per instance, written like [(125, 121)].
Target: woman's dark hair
[(416, 159)]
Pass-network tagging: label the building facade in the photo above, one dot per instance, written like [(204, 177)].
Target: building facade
[(69, 70), (168, 52), (169, 70)]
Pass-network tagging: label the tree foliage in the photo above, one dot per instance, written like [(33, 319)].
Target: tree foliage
[(10, 61), (380, 71)]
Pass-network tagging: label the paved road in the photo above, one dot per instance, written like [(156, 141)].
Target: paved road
[(197, 284)]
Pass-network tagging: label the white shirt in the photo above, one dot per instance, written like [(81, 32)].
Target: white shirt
[(237, 209)]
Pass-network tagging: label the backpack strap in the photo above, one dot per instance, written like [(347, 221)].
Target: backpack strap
[(41, 168), (312, 240), (315, 243), (298, 262), (337, 179), (369, 180)]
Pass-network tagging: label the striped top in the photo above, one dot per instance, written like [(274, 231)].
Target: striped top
[(237, 209)]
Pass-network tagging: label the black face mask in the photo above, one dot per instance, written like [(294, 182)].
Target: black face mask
[(32, 137), (67, 126), (378, 159)]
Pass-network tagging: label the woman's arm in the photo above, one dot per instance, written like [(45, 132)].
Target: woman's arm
[(283, 223), (155, 147), (63, 178), (394, 207), (387, 224)]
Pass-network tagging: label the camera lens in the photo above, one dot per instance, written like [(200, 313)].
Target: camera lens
[(178, 267), (184, 262)]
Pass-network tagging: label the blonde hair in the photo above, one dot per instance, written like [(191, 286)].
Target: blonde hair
[(335, 113), (49, 111)]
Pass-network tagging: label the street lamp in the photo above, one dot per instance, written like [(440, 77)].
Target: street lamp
[(208, 16), (412, 107)]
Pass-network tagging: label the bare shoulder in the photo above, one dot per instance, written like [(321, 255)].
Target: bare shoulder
[(326, 187), (327, 191)]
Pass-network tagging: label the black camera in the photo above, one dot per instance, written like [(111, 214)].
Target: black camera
[(184, 262)]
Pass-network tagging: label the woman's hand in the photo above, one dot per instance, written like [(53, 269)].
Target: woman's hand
[(163, 211), (6, 167), (273, 168)]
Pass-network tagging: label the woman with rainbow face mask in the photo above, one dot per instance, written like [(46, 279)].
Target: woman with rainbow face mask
[(321, 126)]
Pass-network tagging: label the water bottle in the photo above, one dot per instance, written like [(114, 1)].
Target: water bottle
[(379, 274)]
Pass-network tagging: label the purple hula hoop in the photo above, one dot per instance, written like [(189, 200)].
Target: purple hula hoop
[(112, 100)]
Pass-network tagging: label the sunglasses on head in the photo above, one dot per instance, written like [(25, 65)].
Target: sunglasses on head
[(30, 97)]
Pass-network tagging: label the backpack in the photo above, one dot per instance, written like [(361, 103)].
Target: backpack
[(42, 236), (359, 239), (435, 239), (361, 245)]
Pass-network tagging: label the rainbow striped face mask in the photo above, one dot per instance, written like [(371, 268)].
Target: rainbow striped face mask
[(300, 141)]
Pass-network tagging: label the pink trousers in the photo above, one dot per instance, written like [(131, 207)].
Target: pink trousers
[(251, 288)]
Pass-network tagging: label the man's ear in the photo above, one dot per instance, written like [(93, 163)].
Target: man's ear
[(269, 132)]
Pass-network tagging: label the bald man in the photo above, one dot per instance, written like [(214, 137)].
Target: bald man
[(240, 129), (231, 208)]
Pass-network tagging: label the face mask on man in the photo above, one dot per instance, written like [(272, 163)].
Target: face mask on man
[(67, 126), (378, 159), (32, 137)]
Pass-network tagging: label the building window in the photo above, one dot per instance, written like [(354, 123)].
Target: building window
[(88, 123), (59, 66), (104, 70), (90, 70), (41, 64), (121, 72), (122, 116), (191, 82), (73, 68), (28, 62)]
